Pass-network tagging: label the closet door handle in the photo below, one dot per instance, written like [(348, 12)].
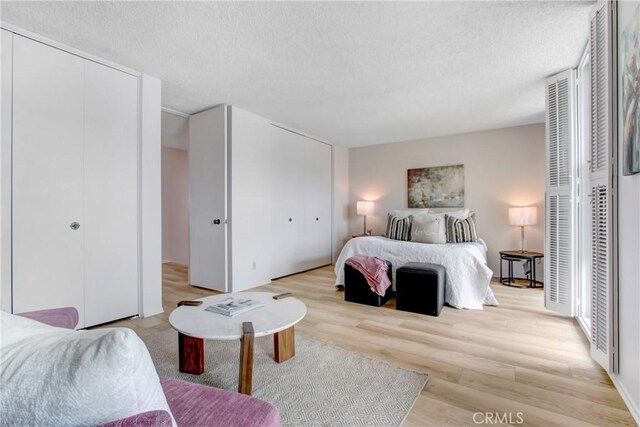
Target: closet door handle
[(317, 219), (74, 226), (290, 220)]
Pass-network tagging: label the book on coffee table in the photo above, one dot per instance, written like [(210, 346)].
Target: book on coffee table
[(234, 306)]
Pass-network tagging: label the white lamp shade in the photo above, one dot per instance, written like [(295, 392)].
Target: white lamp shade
[(523, 216), (364, 207)]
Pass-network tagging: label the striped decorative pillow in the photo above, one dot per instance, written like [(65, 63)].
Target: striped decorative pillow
[(399, 228), (461, 230)]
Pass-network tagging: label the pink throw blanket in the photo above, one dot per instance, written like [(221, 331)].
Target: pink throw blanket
[(374, 270)]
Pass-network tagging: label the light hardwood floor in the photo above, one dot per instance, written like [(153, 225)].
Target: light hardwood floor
[(515, 358)]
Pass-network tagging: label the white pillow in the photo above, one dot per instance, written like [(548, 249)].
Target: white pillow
[(16, 328), (425, 229), (403, 213), (55, 376), (442, 226), (458, 214)]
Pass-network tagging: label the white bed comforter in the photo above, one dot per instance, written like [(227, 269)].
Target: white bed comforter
[(467, 277)]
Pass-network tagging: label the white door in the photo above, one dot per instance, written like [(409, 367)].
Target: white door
[(317, 204), (208, 248), (288, 199), (47, 178), (110, 194)]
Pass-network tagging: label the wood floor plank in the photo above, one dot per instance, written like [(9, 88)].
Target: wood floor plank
[(584, 410), (587, 390), (474, 401), (433, 412), (381, 351), (504, 356), (507, 341), (517, 357)]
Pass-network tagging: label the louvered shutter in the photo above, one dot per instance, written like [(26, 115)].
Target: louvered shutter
[(560, 202), (601, 197)]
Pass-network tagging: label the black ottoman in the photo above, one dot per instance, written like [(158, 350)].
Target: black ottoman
[(356, 288), (420, 288)]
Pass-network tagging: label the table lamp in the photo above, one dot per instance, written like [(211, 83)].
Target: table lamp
[(521, 217), (364, 208)]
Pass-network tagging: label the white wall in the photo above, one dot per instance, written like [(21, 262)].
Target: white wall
[(503, 168), (340, 199), (175, 205), (628, 379), (175, 131), (151, 198), (6, 88)]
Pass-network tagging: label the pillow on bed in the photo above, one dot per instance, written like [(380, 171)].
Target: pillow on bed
[(461, 230), (442, 230), (426, 229), (459, 214), (403, 213), (398, 228)]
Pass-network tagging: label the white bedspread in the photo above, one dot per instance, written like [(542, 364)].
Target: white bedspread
[(467, 277)]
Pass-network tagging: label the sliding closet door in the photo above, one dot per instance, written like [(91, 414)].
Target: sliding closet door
[(288, 197), (110, 194), (317, 206), (48, 220)]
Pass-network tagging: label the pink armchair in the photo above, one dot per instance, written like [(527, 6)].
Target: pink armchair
[(191, 404)]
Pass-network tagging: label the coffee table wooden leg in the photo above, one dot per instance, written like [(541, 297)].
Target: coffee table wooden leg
[(245, 379), (191, 354), (284, 345)]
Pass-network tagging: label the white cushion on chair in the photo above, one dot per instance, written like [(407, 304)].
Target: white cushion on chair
[(55, 376)]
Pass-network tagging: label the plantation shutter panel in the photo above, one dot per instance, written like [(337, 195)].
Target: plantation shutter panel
[(601, 197), (559, 269)]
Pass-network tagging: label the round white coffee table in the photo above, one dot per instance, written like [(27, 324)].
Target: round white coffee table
[(194, 324)]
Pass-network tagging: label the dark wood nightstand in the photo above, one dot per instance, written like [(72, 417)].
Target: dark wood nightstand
[(530, 257)]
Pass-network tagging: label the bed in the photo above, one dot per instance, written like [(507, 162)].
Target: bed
[(467, 278)]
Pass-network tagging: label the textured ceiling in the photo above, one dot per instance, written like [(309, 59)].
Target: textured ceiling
[(354, 73)]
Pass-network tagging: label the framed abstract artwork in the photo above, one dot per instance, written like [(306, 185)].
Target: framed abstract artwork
[(629, 84), (436, 187)]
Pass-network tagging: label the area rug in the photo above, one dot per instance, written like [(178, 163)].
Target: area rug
[(322, 385)]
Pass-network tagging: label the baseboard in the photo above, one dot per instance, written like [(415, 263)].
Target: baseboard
[(631, 405), (584, 327), (150, 313)]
